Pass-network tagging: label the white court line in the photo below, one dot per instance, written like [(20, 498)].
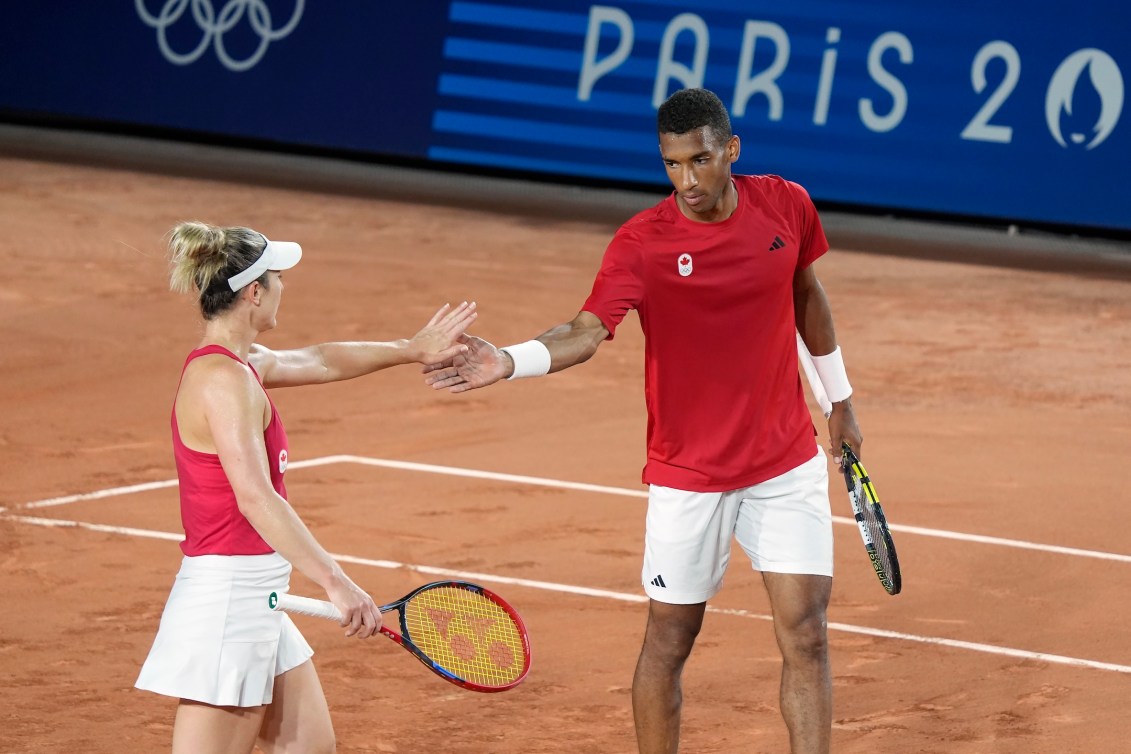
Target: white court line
[(942, 534), (557, 483), (111, 492), (611, 595), (477, 474), (582, 487), (128, 531), (146, 486)]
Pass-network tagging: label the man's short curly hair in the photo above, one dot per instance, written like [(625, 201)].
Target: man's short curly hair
[(689, 109)]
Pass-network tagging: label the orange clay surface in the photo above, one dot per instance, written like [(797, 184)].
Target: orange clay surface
[(994, 402)]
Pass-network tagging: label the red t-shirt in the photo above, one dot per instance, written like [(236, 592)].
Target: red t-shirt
[(725, 404), (211, 518)]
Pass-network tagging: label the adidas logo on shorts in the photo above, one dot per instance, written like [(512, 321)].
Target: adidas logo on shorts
[(659, 581)]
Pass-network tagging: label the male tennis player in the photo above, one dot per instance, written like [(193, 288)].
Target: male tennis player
[(721, 273)]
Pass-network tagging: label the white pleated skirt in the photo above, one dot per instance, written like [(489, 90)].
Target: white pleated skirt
[(219, 642)]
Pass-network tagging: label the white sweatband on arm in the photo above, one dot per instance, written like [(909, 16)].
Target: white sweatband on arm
[(531, 359), (834, 379)]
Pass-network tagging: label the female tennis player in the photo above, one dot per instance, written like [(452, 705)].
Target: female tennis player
[(242, 672)]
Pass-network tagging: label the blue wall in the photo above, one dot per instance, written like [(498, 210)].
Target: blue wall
[(1010, 110)]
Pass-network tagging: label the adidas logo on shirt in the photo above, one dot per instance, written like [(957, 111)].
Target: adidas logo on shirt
[(659, 581), (777, 244)]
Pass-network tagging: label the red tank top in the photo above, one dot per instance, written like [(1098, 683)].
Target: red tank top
[(211, 518)]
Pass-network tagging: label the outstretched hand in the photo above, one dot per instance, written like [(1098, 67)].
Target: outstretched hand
[(479, 365), (438, 341)]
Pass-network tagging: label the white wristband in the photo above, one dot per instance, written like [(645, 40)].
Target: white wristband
[(531, 359), (834, 379)]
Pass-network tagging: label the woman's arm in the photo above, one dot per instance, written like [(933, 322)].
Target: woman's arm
[(234, 412), (331, 362)]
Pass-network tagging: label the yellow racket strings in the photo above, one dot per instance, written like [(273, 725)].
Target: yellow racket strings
[(875, 531), (467, 634)]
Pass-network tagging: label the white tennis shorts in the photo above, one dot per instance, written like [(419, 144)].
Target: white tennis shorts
[(784, 525), (219, 642)]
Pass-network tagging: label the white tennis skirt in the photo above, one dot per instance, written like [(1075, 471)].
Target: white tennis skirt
[(219, 642)]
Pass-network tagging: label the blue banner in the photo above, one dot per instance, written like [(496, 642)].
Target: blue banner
[(342, 75), (1008, 111)]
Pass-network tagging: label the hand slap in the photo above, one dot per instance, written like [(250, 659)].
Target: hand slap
[(456, 320), (481, 365), (437, 342), (443, 376)]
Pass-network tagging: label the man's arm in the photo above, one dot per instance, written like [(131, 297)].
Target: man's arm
[(483, 364), (331, 362), (813, 313), (814, 319)]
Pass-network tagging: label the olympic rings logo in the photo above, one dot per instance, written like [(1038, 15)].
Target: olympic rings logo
[(214, 27)]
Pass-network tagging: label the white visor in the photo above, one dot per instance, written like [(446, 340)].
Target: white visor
[(277, 255)]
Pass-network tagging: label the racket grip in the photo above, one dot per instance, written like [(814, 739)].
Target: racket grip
[(292, 603), (815, 385)]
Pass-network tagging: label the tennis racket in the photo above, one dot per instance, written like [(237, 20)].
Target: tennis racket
[(462, 632), (871, 521), (861, 492)]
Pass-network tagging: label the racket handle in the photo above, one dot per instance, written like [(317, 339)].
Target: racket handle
[(292, 603), (815, 385)]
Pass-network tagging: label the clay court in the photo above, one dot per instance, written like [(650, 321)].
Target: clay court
[(993, 398)]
